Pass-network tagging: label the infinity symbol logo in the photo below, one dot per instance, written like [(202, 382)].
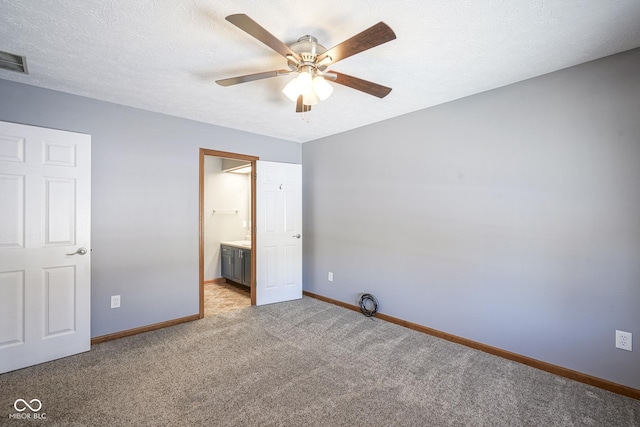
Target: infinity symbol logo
[(26, 405)]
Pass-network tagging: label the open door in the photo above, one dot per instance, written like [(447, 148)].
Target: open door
[(45, 248), (278, 232)]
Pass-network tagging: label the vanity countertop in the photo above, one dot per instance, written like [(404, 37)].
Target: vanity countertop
[(242, 244)]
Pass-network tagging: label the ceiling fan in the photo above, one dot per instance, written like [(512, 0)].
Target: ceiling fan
[(310, 61)]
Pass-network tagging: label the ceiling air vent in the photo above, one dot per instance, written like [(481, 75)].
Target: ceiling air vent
[(12, 62)]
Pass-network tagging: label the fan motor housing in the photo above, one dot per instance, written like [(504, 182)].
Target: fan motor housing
[(308, 48)]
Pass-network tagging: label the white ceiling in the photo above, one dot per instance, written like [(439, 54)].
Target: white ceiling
[(164, 56)]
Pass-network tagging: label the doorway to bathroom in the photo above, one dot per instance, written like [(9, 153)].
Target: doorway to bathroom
[(227, 218)]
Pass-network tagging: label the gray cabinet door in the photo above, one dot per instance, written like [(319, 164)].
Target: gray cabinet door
[(246, 268), (226, 267), (237, 265)]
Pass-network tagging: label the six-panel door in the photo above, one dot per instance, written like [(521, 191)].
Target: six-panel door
[(45, 258), (279, 232)]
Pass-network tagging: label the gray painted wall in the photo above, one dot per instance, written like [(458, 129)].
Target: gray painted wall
[(144, 198), (511, 217)]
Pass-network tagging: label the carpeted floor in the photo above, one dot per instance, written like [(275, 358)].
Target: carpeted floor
[(225, 297), (301, 363)]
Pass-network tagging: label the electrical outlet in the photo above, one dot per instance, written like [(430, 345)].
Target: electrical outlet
[(623, 340), (115, 301), (330, 276)]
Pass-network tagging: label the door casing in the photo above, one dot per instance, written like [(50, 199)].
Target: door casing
[(227, 155)]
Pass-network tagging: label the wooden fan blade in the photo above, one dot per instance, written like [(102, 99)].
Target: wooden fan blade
[(361, 85), (254, 29), (371, 37), (251, 77)]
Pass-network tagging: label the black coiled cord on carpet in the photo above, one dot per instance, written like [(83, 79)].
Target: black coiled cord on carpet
[(368, 305)]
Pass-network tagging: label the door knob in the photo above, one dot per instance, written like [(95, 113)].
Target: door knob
[(80, 251), (297, 236)]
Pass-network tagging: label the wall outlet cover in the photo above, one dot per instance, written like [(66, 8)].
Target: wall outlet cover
[(115, 301), (624, 340)]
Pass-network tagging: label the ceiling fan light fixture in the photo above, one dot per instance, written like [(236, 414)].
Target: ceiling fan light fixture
[(322, 88), (301, 85)]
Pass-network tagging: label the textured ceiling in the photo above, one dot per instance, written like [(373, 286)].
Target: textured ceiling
[(164, 56)]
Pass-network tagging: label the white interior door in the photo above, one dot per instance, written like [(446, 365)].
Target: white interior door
[(278, 232), (45, 258)]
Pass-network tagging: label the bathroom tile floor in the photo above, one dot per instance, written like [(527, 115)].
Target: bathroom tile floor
[(225, 297)]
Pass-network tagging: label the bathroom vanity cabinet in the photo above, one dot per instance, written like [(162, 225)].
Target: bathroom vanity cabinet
[(236, 262)]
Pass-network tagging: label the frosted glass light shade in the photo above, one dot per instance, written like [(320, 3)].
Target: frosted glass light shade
[(309, 98), (291, 90), (322, 88), (312, 89), (304, 82)]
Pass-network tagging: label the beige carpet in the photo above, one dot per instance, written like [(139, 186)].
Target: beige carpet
[(225, 297), (301, 363)]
